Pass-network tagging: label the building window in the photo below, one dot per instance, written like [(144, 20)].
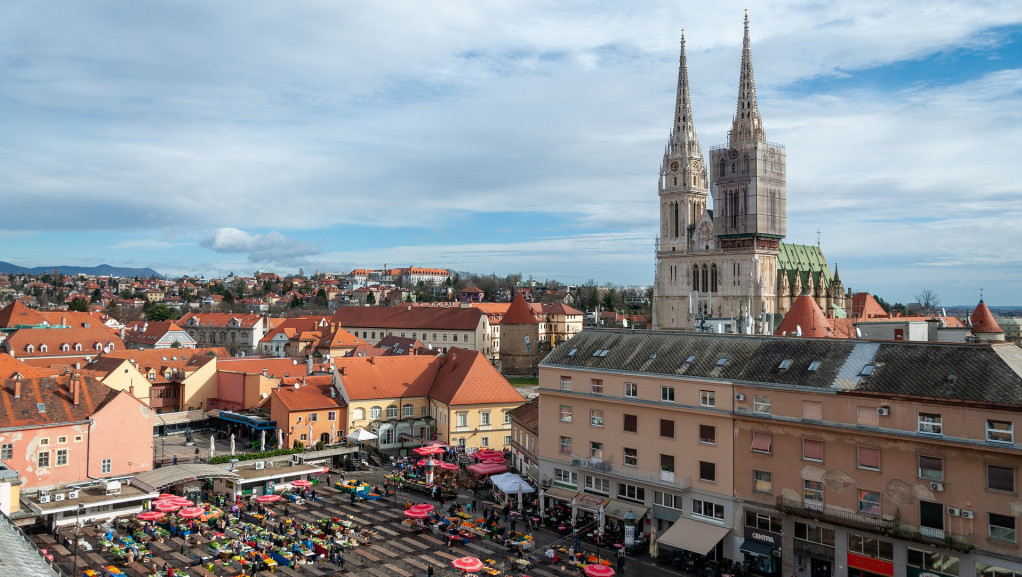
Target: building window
[(507, 417), (812, 410), (407, 410), (816, 534), (631, 424), (668, 500), (754, 520), (631, 492), (871, 547), (106, 465), (667, 428), (392, 411), (762, 482), (667, 394), (812, 494), (631, 457), (331, 415), (303, 437), (43, 460), (869, 458), (931, 468), (565, 414), (707, 509), (78, 438), (631, 390), (707, 399), (595, 450), (932, 562), (1000, 431), (462, 419), (7, 451), (761, 405), (930, 423), (44, 441), (1000, 479), (61, 440), (566, 445), (812, 450), (762, 442), (375, 413), (596, 417), (1002, 527), (314, 417), (596, 386), (869, 502), (596, 484), (358, 414), (565, 383), (484, 442), (708, 434), (566, 477), (666, 464), (61, 457), (507, 440), (707, 472), (484, 419)]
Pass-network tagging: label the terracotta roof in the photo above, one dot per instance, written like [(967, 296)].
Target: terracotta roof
[(467, 378), (471, 289), (339, 337), (387, 377), (17, 343), (864, 306), (556, 309), (406, 317), (983, 320), (220, 319), (804, 315), (314, 394), (16, 314), (149, 333), (252, 365), (9, 366), (519, 313), (367, 351), (528, 414), (47, 401), (162, 359)]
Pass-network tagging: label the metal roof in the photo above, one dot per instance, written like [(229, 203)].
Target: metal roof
[(171, 475), (18, 555)]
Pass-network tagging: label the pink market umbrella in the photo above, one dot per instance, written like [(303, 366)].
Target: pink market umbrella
[(487, 468), (424, 507), (166, 496), (301, 484), (271, 498), (448, 466), (180, 501), (493, 459), (597, 570), (424, 451), (435, 444), (467, 564), (166, 506), (191, 512), (414, 513), (151, 515)]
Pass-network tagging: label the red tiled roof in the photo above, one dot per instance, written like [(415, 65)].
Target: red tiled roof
[(528, 414), (252, 365), (18, 342), (9, 366), (314, 394), (519, 313), (983, 320), (556, 309), (471, 289), (149, 333), (864, 306), (387, 377), (467, 378), (806, 315), (398, 317), (220, 319), (16, 314), (54, 394)]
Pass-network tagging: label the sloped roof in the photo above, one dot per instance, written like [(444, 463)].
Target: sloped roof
[(804, 261), (9, 366), (983, 320), (253, 365), (409, 317), (471, 289), (519, 313), (528, 414), (387, 377), (16, 314), (161, 359), (467, 378), (313, 395), (864, 306), (52, 394), (220, 319), (150, 333), (805, 316), (53, 338)]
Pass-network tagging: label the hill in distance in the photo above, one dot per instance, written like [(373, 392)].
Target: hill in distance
[(101, 270)]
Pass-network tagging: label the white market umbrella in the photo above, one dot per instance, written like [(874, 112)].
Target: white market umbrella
[(262, 441), (212, 446), (654, 547), (542, 507), (280, 439), (310, 434), (603, 519), (361, 435), (574, 511), (519, 497), (232, 443), (333, 432)]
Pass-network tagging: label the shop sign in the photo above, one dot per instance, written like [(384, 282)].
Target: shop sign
[(590, 500), (766, 537), (878, 566), (270, 487), (917, 572), (629, 535)]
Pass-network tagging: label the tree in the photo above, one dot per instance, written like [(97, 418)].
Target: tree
[(610, 300), (321, 299), (78, 304), (371, 298), (97, 296), (928, 300), (157, 312)]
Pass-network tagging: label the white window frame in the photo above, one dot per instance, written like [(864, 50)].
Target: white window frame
[(106, 466), (564, 445), (631, 390), (632, 459), (761, 405), (596, 418), (566, 413), (565, 383), (667, 394), (707, 398), (931, 424), (1007, 435)]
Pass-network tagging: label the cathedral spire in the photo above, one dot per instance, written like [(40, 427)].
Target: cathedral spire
[(747, 125), (683, 134)]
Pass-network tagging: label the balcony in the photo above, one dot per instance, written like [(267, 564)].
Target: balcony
[(591, 463), (879, 525)]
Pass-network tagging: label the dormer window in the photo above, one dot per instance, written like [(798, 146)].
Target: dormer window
[(721, 361), (867, 370), (65, 347), (78, 346), (99, 346), (785, 365), (814, 366), (691, 359), (43, 348), (29, 349)]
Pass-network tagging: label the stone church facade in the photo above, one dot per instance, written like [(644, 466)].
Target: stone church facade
[(726, 269)]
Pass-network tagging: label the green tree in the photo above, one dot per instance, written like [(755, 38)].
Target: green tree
[(610, 300), (78, 304), (371, 298), (96, 296), (321, 299), (157, 312)]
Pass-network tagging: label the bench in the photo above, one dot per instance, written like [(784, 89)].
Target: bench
[(366, 553), (399, 571)]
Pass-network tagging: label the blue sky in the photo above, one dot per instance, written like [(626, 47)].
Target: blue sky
[(505, 137)]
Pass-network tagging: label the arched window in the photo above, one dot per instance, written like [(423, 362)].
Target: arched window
[(29, 349), (721, 167), (392, 412), (375, 412), (407, 410), (358, 414), (43, 348), (674, 218), (713, 278), (706, 280), (65, 347), (78, 346), (695, 277), (98, 346)]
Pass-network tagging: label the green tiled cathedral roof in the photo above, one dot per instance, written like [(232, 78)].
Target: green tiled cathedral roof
[(804, 260)]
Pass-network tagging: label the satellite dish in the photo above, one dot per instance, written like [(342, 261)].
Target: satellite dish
[(798, 330), (294, 361), (296, 386)]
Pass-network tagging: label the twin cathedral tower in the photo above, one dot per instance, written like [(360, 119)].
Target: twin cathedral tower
[(723, 269)]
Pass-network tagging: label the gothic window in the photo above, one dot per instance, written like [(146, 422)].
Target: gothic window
[(733, 165), (721, 167), (773, 210), (713, 278), (746, 164), (706, 280), (674, 216), (695, 277)]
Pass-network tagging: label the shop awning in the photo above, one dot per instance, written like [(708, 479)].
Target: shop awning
[(560, 493), (756, 548), (694, 536), (616, 509), (591, 502)]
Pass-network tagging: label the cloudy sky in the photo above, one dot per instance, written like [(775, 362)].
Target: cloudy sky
[(208, 137)]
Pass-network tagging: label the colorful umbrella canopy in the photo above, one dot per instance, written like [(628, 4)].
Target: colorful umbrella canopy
[(467, 564), (178, 501), (597, 570), (493, 459), (448, 466), (191, 512), (424, 507), (166, 496), (166, 506), (271, 498), (487, 468), (423, 451), (302, 484), (435, 444), (414, 513), (151, 515)]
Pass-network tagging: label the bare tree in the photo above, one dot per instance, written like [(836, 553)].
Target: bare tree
[(928, 300)]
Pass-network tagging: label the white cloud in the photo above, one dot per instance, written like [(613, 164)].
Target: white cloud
[(271, 247)]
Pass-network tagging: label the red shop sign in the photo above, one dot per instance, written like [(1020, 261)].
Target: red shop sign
[(870, 564)]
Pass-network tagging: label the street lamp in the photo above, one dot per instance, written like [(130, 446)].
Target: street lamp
[(78, 525)]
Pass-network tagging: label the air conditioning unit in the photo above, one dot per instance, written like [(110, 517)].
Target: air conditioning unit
[(58, 496), (966, 514), (936, 486), (296, 459), (739, 396), (954, 512), (112, 487), (883, 411), (259, 465), (72, 494), (44, 497)]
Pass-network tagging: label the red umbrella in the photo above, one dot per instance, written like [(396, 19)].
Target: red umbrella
[(414, 513), (435, 444), (179, 501), (424, 507), (302, 484), (271, 498), (166, 496), (597, 570), (166, 506), (467, 564), (151, 515), (423, 451), (448, 466), (487, 468), (191, 512), (493, 459)]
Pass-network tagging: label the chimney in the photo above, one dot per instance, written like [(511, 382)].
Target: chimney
[(78, 366), (341, 369), (122, 333), (372, 360), (76, 388), (63, 321), (17, 386), (131, 390)]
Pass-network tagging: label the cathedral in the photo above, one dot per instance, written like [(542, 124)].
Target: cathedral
[(725, 269)]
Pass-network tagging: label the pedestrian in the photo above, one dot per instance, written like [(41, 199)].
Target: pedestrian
[(429, 570), (620, 560), (175, 459)]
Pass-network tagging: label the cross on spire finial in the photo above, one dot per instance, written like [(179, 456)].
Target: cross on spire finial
[(817, 238)]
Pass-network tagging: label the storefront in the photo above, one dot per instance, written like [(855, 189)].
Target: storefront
[(762, 550), (813, 547), (701, 538), (863, 566)]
